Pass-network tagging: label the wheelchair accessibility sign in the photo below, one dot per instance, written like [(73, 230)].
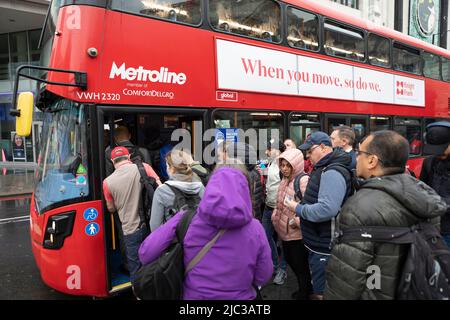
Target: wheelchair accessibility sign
[(90, 214), (92, 229)]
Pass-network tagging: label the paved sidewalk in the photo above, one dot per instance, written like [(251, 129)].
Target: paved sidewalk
[(273, 291), (16, 184)]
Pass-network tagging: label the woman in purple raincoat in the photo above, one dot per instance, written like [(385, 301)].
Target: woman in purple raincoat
[(238, 261)]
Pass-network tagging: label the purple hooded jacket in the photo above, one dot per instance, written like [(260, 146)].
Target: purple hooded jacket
[(240, 258)]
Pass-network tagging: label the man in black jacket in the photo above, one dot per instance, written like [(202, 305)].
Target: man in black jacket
[(387, 197), (436, 169)]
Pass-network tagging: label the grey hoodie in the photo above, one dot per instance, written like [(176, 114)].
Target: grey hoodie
[(164, 197)]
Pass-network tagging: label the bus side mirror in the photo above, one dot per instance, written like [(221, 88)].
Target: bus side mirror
[(24, 114)]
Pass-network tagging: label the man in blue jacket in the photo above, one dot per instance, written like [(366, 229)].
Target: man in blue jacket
[(329, 186)]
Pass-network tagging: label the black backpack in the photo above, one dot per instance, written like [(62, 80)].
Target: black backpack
[(135, 154), (204, 177), (148, 189), (182, 201), (297, 190), (426, 271), (163, 278), (349, 176)]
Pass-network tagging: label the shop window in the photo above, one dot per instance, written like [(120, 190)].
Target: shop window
[(4, 57)]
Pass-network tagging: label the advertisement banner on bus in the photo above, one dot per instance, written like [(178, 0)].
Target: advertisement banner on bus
[(249, 68)]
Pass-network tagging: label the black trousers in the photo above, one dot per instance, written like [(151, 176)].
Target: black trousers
[(296, 256)]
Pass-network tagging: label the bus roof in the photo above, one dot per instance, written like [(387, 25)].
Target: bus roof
[(367, 25)]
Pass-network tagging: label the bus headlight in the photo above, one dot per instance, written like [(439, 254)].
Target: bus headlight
[(58, 228)]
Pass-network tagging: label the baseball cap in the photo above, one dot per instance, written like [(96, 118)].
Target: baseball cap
[(437, 138), (119, 152), (316, 138)]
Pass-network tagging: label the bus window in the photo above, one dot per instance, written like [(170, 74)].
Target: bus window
[(411, 130), (184, 11), (273, 122), (427, 121), (359, 126), (62, 172), (379, 50), (335, 122), (406, 59), (431, 67), (445, 69), (260, 19), (302, 29), (378, 123), (301, 125), (343, 41)]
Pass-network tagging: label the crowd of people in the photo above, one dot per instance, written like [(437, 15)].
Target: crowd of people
[(287, 215)]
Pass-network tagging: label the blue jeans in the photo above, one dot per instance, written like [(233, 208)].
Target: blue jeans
[(447, 239), (317, 265), (268, 227), (132, 244)]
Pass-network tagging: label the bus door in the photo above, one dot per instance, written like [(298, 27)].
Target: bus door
[(155, 131), (358, 123)]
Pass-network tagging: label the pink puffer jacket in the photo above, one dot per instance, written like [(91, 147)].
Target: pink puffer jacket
[(282, 214)]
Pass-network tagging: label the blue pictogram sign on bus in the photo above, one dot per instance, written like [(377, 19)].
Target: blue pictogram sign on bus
[(92, 229), (90, 214)]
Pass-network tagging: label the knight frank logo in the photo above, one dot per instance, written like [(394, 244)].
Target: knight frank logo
[(405, 89)]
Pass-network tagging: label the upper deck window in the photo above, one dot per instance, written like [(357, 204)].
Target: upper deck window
[(379, 50), (445, 69), (260, 19), (406, 59), (184, 11), (431, 67), (302, 29), (343, 41)]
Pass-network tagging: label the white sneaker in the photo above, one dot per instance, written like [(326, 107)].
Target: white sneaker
[(280, 277)]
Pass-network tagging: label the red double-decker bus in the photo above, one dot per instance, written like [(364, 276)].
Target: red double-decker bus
[(159, 65)]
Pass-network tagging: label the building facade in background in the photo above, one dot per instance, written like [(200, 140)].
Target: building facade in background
[(426, 20), (20, 29)]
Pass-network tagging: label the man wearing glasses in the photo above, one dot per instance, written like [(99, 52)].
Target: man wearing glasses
[(329, 186), (386, 198)]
